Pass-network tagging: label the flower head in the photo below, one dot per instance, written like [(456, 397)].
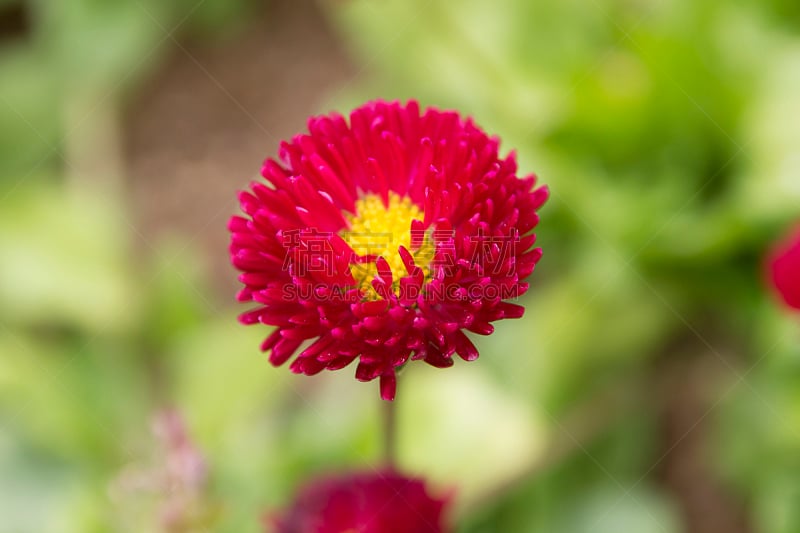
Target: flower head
[(368, 503), (784, 269), (383, 239)]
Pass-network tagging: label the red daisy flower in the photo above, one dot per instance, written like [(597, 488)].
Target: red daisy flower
[(784, 269), (368, 503), (384, 240)]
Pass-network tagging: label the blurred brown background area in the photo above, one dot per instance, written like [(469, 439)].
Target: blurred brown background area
[(203, 124)]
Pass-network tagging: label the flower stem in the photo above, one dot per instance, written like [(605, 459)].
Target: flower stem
[(390, 434)]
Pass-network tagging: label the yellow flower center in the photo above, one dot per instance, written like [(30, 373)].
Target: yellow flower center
[(379, 230)]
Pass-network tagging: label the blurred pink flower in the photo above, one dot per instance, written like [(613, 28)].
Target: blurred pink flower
[(184, 471), (383, 502), (173, 490), (383, 239)]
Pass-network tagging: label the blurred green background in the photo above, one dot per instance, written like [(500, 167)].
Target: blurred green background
[(652, 386)]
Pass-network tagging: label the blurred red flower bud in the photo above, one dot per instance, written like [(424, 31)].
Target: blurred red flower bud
[(380, 502), (784, 269)]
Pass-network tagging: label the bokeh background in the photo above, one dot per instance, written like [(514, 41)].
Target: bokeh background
[(652, 386)]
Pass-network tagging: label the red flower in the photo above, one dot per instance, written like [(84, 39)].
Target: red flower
[(784, 269), (364, 503), (384, 240)]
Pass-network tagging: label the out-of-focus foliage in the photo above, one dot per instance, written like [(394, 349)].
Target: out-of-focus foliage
[(667, 133), (71, 58)]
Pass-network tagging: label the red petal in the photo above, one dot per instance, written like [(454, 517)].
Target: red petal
[(388, 386)]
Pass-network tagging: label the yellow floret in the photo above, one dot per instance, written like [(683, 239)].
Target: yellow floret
[(380, 230)]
